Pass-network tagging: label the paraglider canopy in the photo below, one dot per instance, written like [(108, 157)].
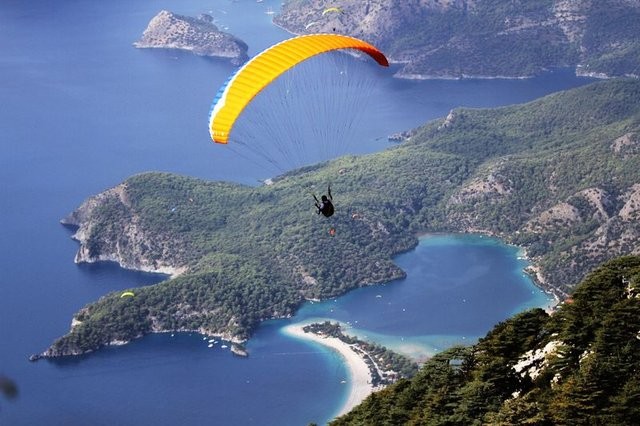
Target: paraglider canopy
[(127, 294), (264, 68), (331, 9)]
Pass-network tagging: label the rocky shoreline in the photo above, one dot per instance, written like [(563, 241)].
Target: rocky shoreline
[(237, 345)]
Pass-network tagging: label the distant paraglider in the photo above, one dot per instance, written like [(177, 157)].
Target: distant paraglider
[(310, 24), (331, 10), (127, 294)]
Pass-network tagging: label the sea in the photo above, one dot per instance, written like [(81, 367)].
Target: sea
[(81, 110)]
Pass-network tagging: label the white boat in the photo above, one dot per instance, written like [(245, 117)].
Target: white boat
[(269, 11), (210, 345), (224, 346)]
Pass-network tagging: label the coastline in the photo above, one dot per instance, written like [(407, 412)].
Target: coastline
[(533, 270), (360, 380)]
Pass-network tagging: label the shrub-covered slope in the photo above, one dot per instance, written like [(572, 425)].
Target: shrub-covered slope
[(558, 176)]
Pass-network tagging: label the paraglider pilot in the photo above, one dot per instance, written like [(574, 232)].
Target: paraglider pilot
[(325, 206)]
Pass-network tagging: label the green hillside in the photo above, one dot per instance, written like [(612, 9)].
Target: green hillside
[(558, 176), (578, 366)]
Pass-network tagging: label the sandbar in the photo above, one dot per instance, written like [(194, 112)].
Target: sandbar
[(360, 380)]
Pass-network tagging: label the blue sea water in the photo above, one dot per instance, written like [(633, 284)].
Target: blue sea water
[(81, 110)]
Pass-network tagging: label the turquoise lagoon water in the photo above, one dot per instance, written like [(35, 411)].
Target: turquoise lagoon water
[(81, 110), (457, 288)]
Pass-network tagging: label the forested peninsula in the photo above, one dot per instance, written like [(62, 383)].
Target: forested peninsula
[(557, 176), (484, 38)]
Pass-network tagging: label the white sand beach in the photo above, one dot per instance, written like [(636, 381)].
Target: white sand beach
[(360, 381)]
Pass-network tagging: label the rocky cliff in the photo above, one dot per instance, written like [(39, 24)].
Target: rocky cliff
[(484, 38), (198, 35), (131, 246)]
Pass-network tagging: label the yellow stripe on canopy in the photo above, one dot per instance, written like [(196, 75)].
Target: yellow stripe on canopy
[(256, 74)]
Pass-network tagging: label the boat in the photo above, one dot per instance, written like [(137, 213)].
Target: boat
[(210, 345), (224, 346), (269, 11)]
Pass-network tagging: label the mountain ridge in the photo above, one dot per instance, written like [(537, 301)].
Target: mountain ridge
[(484, 38)]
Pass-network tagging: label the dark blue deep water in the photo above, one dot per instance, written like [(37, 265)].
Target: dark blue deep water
[(81, 110)]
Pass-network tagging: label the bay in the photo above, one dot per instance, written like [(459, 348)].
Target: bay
[(82, 110), (457, 288)]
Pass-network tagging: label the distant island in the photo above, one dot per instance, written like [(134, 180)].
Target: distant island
[(198, 35), (471, 38), (557, 176)]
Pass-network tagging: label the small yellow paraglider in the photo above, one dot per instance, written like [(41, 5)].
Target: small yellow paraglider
[(331, 9), (127, 294)]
